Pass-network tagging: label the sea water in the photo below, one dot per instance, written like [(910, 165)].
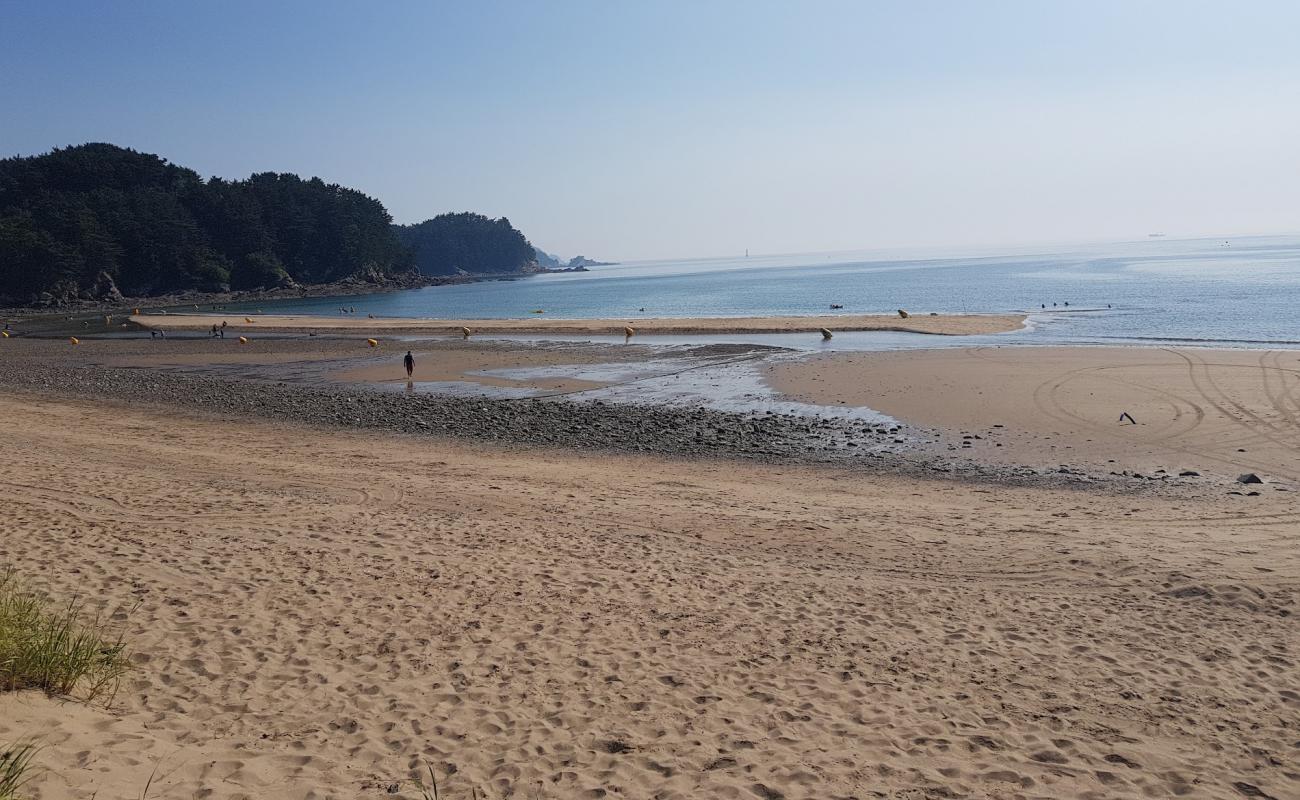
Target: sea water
[(1237, 291)]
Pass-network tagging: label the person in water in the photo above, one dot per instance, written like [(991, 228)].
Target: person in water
[(409, 363)]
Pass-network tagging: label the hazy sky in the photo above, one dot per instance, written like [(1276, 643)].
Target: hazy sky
[(657, 129)]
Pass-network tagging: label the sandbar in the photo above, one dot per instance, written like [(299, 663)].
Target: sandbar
[(949, 325)]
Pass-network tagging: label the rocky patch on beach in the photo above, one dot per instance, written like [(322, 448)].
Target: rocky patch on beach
[(692, 432)]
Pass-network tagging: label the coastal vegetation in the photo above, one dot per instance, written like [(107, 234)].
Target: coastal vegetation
[(467, 243), (55, 648), (15, 768), (97, 222)]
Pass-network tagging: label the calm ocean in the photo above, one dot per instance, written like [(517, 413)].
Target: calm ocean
[(1240, 291)]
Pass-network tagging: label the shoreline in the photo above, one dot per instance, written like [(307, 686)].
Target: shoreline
[(945, 325), (542, 395), (351, 287)]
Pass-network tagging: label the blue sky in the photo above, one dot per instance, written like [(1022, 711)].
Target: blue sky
[(642, 130)]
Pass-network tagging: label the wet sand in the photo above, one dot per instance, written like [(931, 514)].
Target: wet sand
[(952, 325), (1211, 411), (468, 365), (348, 361), (320, 612)]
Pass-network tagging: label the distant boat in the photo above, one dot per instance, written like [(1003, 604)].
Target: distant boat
[(1156, 235), (746, 252)]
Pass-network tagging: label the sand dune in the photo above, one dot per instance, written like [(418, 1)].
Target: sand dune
[(319, 612), (944, 325)]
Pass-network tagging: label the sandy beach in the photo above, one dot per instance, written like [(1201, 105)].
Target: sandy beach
[(318, 615), (951, 325), (1222, 411), (338, 584)]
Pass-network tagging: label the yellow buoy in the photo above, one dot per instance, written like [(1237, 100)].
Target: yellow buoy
[(74, 340), (465, 332), (826, 334), (4, 334), (243, 340), (629, 332), (249, 320), (372, 342)]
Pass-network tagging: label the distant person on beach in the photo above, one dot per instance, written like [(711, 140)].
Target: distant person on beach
[(409, 363)]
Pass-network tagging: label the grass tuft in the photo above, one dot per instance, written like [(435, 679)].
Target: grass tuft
[(15, 768), (424, 790), (55, 648)]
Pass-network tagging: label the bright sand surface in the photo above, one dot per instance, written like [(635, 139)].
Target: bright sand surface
[(1222, 411), (950, 325), (322, 611)]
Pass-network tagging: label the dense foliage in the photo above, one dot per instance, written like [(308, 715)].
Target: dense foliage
[(80, 221), (467, 243)]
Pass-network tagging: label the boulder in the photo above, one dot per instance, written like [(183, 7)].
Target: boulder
[(105, 288), (1249, 477)]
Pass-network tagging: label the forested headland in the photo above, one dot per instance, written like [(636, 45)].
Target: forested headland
[(96, 222)]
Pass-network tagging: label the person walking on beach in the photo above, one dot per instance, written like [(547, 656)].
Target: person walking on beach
[(409, 363)]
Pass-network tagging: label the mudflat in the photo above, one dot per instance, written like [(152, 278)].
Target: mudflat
[(322, 611)]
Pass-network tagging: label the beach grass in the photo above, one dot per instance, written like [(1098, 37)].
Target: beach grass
[(57, 648), (15, 768)]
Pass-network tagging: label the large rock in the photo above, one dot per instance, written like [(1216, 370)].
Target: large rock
[(105, 288), (1249, 477)]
